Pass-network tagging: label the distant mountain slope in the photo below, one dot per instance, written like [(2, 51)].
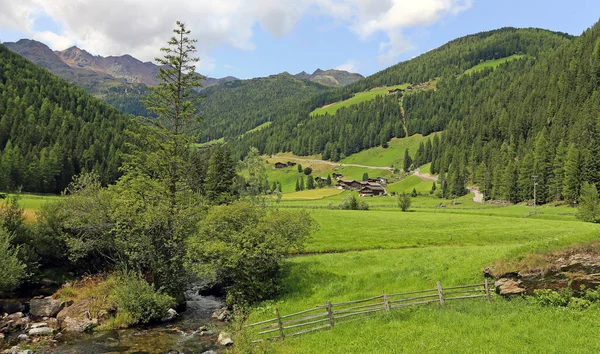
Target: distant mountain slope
[(233, 108), (51, 130), (372, 123), (331, 78), (96, 74)]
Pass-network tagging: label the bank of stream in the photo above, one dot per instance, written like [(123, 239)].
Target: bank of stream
[(193, 331)]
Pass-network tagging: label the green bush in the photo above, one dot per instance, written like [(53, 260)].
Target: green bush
[(12, 270), (548, 297), (404, 202), (138, 300), (589, 204), (351, 202)]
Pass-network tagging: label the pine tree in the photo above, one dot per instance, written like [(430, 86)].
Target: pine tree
[(407, 161), (310, 182), (525, 182), (297, 185), (573, 168), (558, 171), (365, 177), (302, 186), (329, 181)]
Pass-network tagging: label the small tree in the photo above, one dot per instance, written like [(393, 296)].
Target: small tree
[(308, 170), (407, 161), (433, 188), (310, 182), (365, 176), (299, 168), (404, 201), (302, 186), (11, 268), (414, 193), (589, 204), (329, 181), (297, 185)]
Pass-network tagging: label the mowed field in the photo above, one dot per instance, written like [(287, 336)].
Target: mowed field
[(356, 99), (359, 254), (493, 63), (31, 203)]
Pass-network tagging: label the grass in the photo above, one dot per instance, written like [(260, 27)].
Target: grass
[(312, 194), (356, 99), (358, 254), (409, 183), (391, 156), (31, 203), (493, 63)]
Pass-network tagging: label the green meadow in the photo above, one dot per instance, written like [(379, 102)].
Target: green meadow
[(356, 99), (393, 155), (358, 254), (493, 63)]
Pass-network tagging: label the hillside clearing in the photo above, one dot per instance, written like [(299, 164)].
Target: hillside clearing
[(356, 99), (493, 63)]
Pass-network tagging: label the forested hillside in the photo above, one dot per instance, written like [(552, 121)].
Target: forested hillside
[(233, 108), (372, 123), (532, 118), (51, 130)]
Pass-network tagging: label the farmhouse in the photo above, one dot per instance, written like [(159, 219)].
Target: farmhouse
[(379, 180), (395, 91), (284, 164), (371, 190), (337, 176), (349, 184), (321, 180)]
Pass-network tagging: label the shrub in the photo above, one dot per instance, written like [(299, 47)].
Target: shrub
[(548, 297), (404, 202), (138, 301), (12, 271), (351, 202), (308, 170), (589, 206), (243, 247)]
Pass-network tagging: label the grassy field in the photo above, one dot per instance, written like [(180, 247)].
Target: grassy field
[(31, 203), (493, 63), (358, 254), (312, 194), (356, 99), (409, 183), (391, 156)]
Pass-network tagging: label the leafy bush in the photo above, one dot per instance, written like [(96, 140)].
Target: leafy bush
[(138, 301), (404, 202), (548, 297), (12, 271), (351, 202), (308, 170), (243, 247)]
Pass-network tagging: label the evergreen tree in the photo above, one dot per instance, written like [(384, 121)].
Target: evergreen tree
[(301, 183), (589, 203), (558, 171), (573, 173), (310, 182), (365, 177), (299, 168), (433, 188), (407, 161), (329, 181), (297, 185)]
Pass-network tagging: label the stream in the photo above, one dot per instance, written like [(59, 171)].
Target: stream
[(178, 336)]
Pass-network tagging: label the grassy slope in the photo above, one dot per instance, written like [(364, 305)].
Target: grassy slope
[(356, 99), (409, 183), (31, 203), (409, 251), (493, 63), (392, 156)]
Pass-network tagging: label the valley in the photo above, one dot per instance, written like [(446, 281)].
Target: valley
[(127, 196)]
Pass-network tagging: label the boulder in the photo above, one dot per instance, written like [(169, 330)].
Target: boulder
[(41, 331), (15, 316), (224, 339), (11, 307), (78, 325), (222, 314), (46, 307), (169, 316), (508, 286), (23, 337), (38, 325)]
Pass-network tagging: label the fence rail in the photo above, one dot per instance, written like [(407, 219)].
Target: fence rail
[(327, 315)]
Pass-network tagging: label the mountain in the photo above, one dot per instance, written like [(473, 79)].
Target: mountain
[(331, 78), (96, 74), (355, 128), (51, 130)]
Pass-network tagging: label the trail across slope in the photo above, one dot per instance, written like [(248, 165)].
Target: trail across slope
[(334, 163)]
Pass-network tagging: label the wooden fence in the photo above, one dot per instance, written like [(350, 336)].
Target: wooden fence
[(328, 315)]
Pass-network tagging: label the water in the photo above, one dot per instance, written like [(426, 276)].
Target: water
[(180, 335)]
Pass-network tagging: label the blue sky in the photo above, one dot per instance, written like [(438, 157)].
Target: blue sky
[(259, 38)]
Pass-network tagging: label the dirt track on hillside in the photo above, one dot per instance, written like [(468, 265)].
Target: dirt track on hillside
[(334, 163)]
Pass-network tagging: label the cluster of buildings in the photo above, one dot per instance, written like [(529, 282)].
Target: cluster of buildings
[(370, 188), (284, 164)]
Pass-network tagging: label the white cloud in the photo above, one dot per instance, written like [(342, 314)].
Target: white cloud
[(139, 27), (350, 66)]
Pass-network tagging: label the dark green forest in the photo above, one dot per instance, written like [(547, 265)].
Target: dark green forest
[(51, 130)]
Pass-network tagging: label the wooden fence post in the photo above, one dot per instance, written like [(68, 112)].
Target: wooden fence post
[(487, 289), (386, 301), (440, 293), (329, 314), (280, 324)]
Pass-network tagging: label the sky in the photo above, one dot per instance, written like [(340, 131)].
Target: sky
[(252, 38)]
